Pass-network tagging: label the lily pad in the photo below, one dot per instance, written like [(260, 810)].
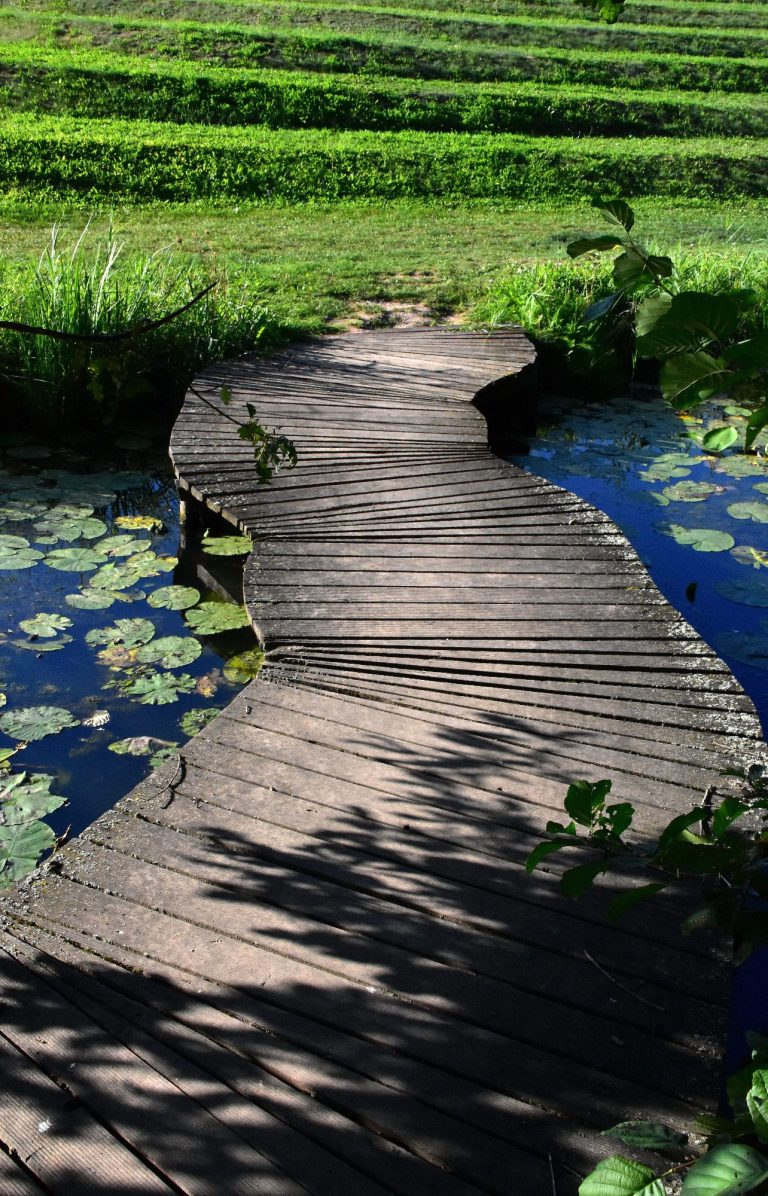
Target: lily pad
[(159, 689), (211, 618), (750, 591), (121, 545), (11, 544), (171, 651), (75, 560), (174, 597), (745, 554), (702, 539), (128, 632), (45, 625), (761, 486), (138, 745), (691, 491), (91, 600), (227, 545), (24, 798), (115, 577), (21, 847), (25, 558), (117, 656), (739, 466), (194, 720), (245, 666), (72, 529), (35, 722), (756, 512), (135, 523), (19, 510), (662, 472), (44, 645)]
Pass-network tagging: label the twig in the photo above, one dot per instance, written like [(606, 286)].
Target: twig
[(109, 338), (174, 782), (623, 987), (552, 1175), (232, 419)]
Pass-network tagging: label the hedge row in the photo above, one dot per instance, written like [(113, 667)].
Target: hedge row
[(400, 22), (236, 46), (105, 160), (93, 85)]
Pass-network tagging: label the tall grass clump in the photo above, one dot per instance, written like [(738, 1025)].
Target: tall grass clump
[(549, 300), (102, 291)]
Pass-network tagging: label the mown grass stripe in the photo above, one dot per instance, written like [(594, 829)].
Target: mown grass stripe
[(144, 161), (461, 61), (504, 30), (89, 84)]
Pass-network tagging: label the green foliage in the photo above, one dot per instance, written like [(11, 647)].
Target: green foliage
[(25, 800), (211, 618), (35, 722), (695, 335)]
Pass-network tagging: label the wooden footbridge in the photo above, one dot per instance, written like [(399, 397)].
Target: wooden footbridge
[(310, 960)]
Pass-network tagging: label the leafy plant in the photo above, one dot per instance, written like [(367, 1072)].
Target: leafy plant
[(724, 844), (696, 335), (35, 722), (210, 618), (25, 799)]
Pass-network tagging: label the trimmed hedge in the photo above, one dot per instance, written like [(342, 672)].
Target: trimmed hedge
[(94, 85), (68, 158), (238, 46)]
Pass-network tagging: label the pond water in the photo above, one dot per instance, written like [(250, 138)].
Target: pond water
[(699, 522), (114, 645)]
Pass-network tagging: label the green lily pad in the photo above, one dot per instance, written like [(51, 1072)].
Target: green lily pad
[(691, 491), (20, 849), (130, 633), (70, 510), (761, 486), (137, 745), (135, 523), (245, 666), (227, 545), (11, 544), (745, 554), (75, 560), (117, 546), (750, 591), (159, 689), (44, 645), (739, 466), (20, 510), (24, 798), (171, 651), (115, 577), (72, 529), (45, 625), (194, 720), (211, 618), (117, 656), (702, 539), (662, 472), (174, 597), (25, 558), (129, 596), (35, 722), (756, 512), (91, 600)]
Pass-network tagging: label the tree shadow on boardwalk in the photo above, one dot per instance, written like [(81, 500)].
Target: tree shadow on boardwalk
[(336, 978)]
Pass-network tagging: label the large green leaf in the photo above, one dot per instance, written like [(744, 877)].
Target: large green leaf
[(75, 560), (245, 666), (174, 597), (690, 378), (91, 600), (757, 1104), (171, 651), (11, 544), (210, 618), (227, 545), (756, 511), (716, 440), (646, 1135), (650, 311), (159, 689), (617, 1176), (691, 491), (115, 577), (589, 244), (617, 211), (35, 722), (36, 645), (24, 558), (693, 320), (118, 546), (128, 632), (702, 539), (726, 1170), (20, 848), (747, 554), (24, 798)]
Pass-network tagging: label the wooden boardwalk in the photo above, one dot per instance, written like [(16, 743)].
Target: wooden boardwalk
[(315, 964)]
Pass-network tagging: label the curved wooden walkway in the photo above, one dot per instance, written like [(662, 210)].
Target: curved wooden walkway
[(315, 963)]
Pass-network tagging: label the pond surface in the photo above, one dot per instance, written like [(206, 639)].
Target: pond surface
[(114, 646), (699, 522)]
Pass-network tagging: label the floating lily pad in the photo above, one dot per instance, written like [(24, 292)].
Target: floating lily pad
[(115, 577), (756, 512), (138, 745), (24, 798), (71, 529), (747, 646), (118, 546), (35, 722), (129, 596), (19, 510), (750, 591), (25, 558), (135, 523), (761, 486), (159, 689), (210, 618), (174, 597), (662, 472), (702, 539), (739, 466), (245, 666), (91, 600), (227, 545), (691, 491), (75, 560), (45, 625), (117, 656), (745, 554), (194, 720), (43, 645), (171, 651), (128, 632), (21, 847), (11, 544)]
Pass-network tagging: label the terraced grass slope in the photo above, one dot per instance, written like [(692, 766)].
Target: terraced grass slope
[(287, 100)]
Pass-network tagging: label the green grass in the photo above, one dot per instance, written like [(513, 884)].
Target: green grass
[(89, 84), (141, 160), (238, 46)]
